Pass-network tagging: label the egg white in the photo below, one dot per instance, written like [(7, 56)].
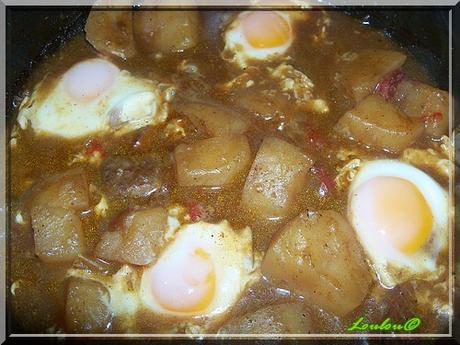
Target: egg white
[(239, 51), (130, 103), (391, 265), (236, 267)]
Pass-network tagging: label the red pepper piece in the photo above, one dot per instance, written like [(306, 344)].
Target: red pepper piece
[(94, 147), (433, 119), (327, 182), (195, 210), (388, 85), (314, 136)]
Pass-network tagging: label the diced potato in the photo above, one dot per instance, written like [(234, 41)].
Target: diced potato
[(58, 234), (217, 120), (212, 162), (379, 124), (429, 103), (317, 256), (87, 307), (274, 319), (144, 236), (111, 32), (361, 75), (262, 105), (166, 31), (277, 176), (138, 239), (68, 190), (108, 247)]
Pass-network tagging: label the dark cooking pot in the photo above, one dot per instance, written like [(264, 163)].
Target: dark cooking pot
[(33, 32)]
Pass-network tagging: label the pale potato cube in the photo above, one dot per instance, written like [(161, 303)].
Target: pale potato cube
[(111, 32), (138, 238), (212, 162), (87, 307), (108, 247), (277, 176), (158, 31), (429, 103), (317, 256), (362, 74), (67, 190), (144, 237), (58, 234), (380, 125), (217, 120), (289, 318)]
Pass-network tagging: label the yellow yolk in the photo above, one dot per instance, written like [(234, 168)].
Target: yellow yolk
[(185, 282), (395, 208), (266, 29)]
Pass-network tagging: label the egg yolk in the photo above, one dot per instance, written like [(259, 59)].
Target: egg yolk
[(185, 281), (396, 209), (265, 29), (89, 79)]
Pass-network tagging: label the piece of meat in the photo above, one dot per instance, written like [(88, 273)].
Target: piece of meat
[(111, 32), (132, 177)]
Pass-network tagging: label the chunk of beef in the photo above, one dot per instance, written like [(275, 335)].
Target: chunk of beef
[(131, 177)]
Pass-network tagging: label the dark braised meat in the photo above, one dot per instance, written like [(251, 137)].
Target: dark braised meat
[(132, 177)]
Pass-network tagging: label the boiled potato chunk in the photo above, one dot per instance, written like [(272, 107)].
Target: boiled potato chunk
[(277, 176), (289, 318), (67, 190), (212, 162), (159, 31), (144, 236), (429, 103), (138, 238), (108, 247), (361, 75), (317, 256), (86, 309), (111, 32), (58, 234), (379, 124), (217, 120)]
